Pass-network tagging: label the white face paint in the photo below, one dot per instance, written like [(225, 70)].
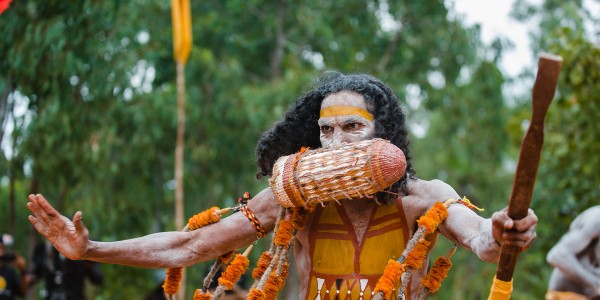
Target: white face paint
[(345, 127)]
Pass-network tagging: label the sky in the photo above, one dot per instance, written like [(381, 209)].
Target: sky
[(494, 19)]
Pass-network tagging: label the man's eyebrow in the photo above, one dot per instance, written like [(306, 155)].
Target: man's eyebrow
[(355, 119), (347, 119), (323, 122)]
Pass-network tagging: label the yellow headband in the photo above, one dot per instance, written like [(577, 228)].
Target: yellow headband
[(333, 111)]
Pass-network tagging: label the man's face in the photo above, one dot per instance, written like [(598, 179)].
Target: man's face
[(345, 119)]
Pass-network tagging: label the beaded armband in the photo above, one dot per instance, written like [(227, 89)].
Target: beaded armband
[(243, 207)]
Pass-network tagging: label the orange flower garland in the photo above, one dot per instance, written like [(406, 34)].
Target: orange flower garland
[(299, 216), (433, 281), (173, 275), (204, 218), (414, 259), (387, 282), (172, 280), (256, 294), (432, 219), (272, 267), (234, 271), (416, 250), (438, 272), (284, 234), (200, 295), (273, 285), (262, 264)]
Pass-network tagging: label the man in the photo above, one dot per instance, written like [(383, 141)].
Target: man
[(12, 284), (64, 279), (576, 260), (343, 248)]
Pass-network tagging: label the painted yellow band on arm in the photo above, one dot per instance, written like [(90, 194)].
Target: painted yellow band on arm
[(333, 111)]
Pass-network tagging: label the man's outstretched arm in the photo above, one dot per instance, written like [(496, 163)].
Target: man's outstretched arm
[(485, 236), (159, 250)]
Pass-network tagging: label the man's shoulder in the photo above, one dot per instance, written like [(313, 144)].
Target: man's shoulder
[(435, 188), (588, 221), (422, 194)]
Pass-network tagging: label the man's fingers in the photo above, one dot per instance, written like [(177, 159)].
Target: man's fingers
[(48, 209), (519, 239), (42, 210), (37, 210), (38, 226), (508, 224), (528, 222), (78, 221)]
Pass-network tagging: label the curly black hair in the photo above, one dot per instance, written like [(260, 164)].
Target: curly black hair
[(299, 127)]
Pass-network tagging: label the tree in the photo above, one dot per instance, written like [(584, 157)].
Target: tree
[(100, 81)]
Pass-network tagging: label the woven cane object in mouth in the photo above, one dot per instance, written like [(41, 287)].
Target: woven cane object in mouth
[(354, 170)]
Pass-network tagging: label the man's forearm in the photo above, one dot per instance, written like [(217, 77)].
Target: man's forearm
[(159, 250), (483, 243)]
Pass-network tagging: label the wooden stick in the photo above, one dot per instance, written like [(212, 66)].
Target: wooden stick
[(529, 156)]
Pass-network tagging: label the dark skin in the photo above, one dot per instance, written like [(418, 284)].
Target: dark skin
[(174, 249)]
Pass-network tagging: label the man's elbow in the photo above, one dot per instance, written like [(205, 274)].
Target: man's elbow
[(554, 256)]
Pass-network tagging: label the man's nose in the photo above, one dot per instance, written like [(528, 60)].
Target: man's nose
[(338, 138)]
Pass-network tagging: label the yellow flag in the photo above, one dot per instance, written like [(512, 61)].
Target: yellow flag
[(182, 29)]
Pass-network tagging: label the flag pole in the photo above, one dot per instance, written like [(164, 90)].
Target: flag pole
[(182, 45)]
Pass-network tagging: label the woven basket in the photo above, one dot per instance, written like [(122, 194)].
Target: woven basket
[(355, 170)]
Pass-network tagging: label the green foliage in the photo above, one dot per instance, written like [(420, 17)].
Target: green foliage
[(100, 133), (567, 181)]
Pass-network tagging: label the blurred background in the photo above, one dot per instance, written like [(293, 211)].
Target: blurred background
[(88, 107)]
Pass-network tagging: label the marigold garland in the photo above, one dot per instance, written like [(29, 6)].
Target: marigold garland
[(273, 285), (284, 234), (173, 275), (433, 281), (274, 275), (234, 271), (221, 260), (414, 259), (200, 295), (226, 258), (284, 270), (262, 264), (272, 266), (256, 294), (434, 216), (415, 251), (438, 272), (204, 218), (299, 217), (172, 280), (387, 283)]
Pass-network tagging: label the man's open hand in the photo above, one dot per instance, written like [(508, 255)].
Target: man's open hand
[(68, 237)]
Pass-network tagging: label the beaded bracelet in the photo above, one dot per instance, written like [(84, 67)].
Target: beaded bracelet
[(260, 231)]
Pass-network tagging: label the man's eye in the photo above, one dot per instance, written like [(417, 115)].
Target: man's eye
[(353, 125), (326, 128)]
